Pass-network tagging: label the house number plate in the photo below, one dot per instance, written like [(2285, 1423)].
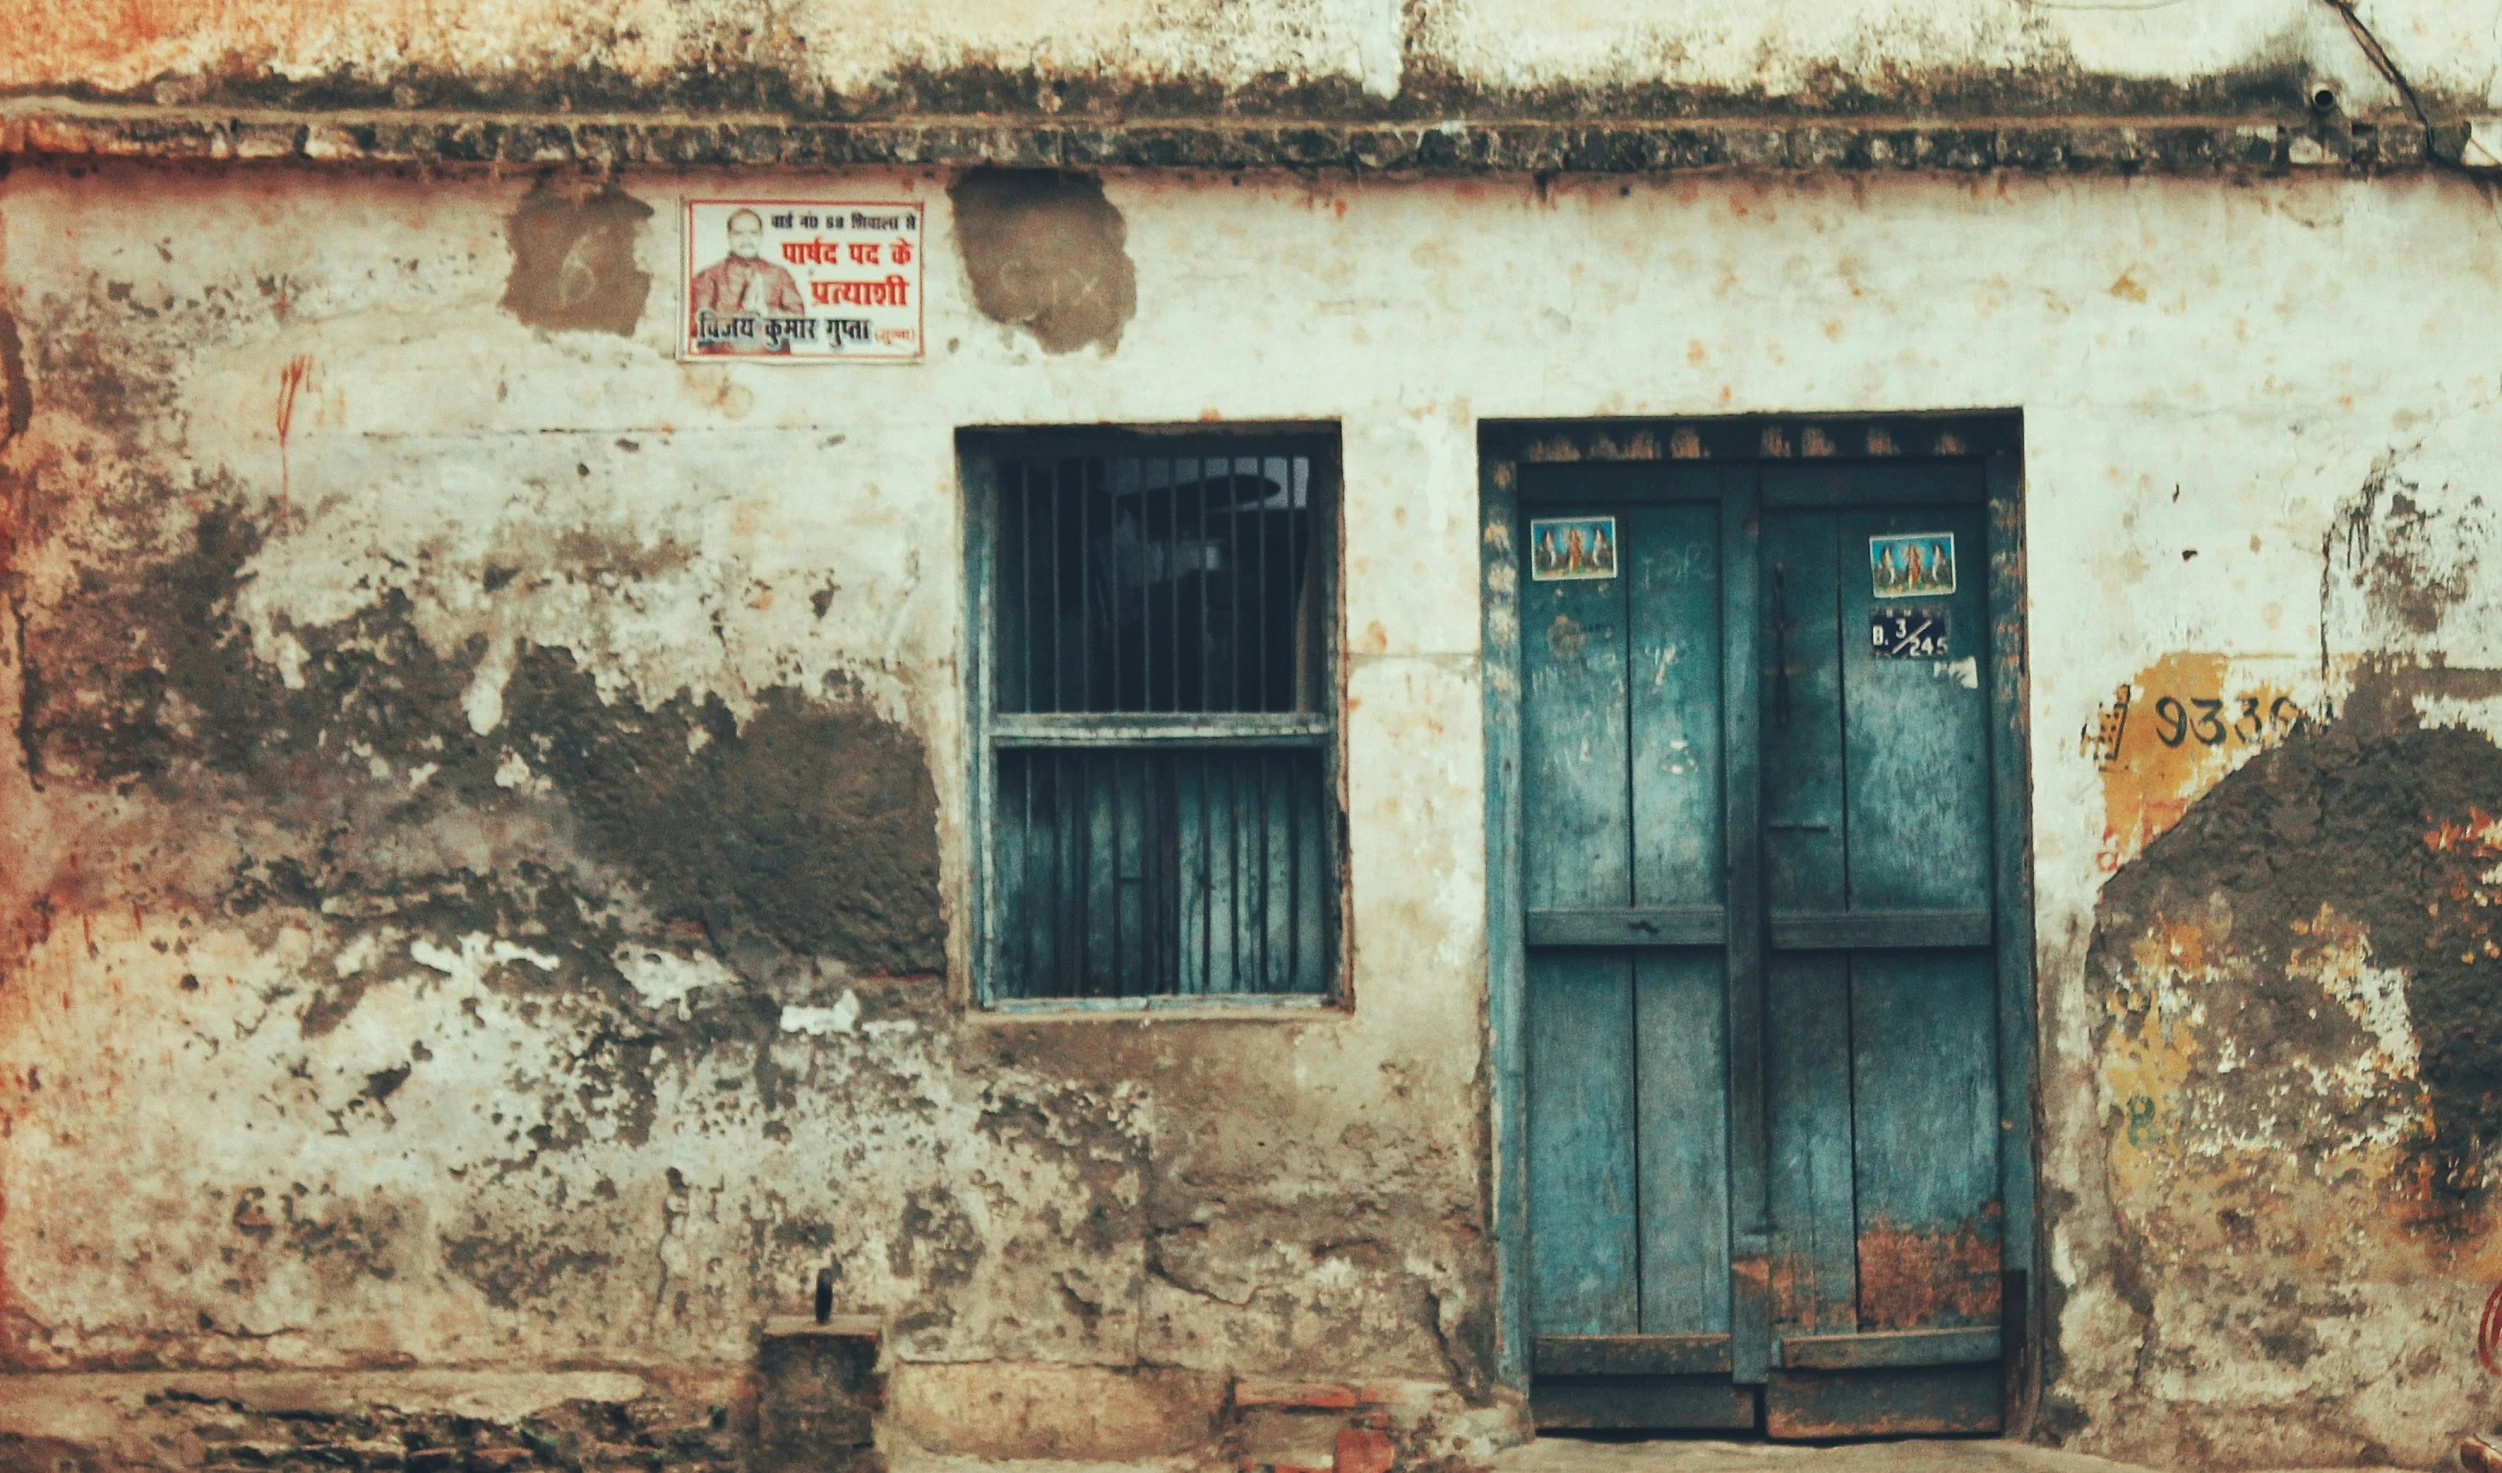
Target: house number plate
[(1907, 634)]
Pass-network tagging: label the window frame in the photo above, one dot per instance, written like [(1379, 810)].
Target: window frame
[(980, 454)]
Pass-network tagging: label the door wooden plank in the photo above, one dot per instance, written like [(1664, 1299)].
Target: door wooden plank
[(1924, 1068), (1679, 806), (1642, 1402), (1807, 1091), (1892, 1348), (1682, 1142), (1633, 1355), (1944, 1401), (1629, 926), (1750, 1311), (1856, 930), (1583, 1260), (1574, 743), (1674, 678), (1917, 743), (1804, 815)]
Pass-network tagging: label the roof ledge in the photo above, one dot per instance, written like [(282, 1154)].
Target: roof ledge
[(39, 128)]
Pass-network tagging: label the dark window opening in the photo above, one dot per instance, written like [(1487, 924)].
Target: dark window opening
[(1158, 801)]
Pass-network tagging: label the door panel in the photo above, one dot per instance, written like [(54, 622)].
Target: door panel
[(1729, 696), (1672, 558), (1672, 555), (1804, 825), (1917, 734), (1807, 1114), (1575, 756), (1924, 1114), (1582, 1258), (1682, 1155), (1574, 744)]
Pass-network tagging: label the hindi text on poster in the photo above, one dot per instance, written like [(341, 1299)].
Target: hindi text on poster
[(796, 281)]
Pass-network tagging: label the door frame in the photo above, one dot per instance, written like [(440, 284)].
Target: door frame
[(1993, 440)]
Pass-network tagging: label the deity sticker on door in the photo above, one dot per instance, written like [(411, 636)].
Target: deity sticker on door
[(1572, 547), (1912, 564)]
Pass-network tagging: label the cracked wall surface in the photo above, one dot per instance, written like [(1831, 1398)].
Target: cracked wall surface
[(486, 801)]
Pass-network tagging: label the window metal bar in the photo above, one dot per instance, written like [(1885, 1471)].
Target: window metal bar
[(1307, 581), (1259, 540), (1085, 595), (1199, 481), (1172, 584), (1233, 582), (1024, 634)]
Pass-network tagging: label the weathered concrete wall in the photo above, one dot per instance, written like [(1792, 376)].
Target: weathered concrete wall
[(486, 811), (1097, 57)]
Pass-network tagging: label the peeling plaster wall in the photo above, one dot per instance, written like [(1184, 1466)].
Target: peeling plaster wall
[(844, 56), (487, 803)]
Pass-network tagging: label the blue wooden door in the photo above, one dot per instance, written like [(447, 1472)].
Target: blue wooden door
[(1763, 1082)]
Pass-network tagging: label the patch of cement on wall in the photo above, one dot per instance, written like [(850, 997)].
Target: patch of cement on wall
[(2349, 826), (573, 260), (2297, 1081), (1046, 252), (808, 831), (814, 825)]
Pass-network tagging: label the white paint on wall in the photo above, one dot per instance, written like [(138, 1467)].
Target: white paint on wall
[(2197, 407), (817, 1022)]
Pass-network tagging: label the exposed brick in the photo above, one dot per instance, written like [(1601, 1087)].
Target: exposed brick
[(1365, 1450), (1322, 1395)]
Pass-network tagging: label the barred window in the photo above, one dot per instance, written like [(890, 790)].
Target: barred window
[(1156, 701)]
